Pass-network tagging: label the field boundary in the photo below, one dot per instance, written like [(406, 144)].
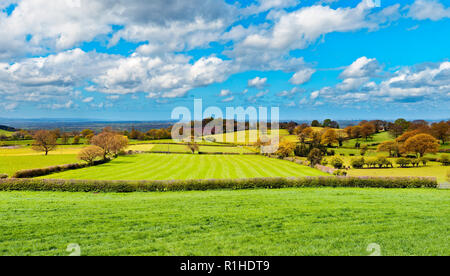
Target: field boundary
[(213, 184)]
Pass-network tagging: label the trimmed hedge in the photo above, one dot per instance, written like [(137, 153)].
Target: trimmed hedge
[(54, 169), (212, 184)]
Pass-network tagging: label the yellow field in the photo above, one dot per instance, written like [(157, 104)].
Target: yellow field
[(432, 170), (245, 137)]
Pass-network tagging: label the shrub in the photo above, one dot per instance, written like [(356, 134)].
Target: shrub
[(415, 162), (324, 162), (315, 157), (3, 176), (213, 184), (403, 162), (358, 163), (445, 160), (340, 173), (424, 161), (372, 162), (383, 162), (337, 162)]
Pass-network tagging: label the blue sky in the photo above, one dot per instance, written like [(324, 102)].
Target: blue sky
[(137, 60)]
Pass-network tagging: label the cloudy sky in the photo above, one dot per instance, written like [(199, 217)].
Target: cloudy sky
[(138, 59)]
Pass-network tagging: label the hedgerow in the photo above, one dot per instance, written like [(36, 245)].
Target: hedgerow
[(212, 184)]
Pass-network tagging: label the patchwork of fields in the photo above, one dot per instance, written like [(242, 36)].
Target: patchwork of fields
[(248, 222), (189, 166)]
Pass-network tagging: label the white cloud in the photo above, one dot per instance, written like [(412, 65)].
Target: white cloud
[(169, 77), (257, 83), (362, 67), (289, 93), (302, 76), (225, 93), (229, 99), (66, 105), (88, 100), (426, 82), (428, 9), (36, 26), (265, 5)]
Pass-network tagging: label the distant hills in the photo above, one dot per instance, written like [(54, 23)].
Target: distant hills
[(7, 128)]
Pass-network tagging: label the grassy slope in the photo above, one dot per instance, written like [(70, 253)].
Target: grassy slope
[(6, 133), (251, 222), (11, 164), (377, 139), (188, 166)]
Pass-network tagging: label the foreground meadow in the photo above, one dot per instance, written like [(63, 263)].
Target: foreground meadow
[(189, 166), (306, 221)]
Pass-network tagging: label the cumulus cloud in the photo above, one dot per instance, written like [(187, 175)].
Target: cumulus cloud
[(169, 77), (35, 26), (265, 5), (406, 85), (302, 76), (225, 93), (289, 93), (257, 83), (428, 9)]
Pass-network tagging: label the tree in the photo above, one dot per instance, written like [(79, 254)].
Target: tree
[(44, 140), (405, 136), (90, 153), (305, 134), (356, 132), (329, 137), (192, 146), (110, 142), (76, 140), (367, 130), (390, 146), (395, 130), (315, 157), (404, 124), (86, 132), (285, 148), (316, 138), (341, 137), (57, 133), (337, 162), (441, 131), (65, 138), (348, 131), (315, 123), (422, 144)]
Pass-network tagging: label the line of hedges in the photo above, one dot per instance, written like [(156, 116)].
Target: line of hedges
[(213, 184), (54, 169)]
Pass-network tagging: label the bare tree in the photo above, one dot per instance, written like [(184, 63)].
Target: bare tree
[(44, 141), (111, 143), (90, 153)]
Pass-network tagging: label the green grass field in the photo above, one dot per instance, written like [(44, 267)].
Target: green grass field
[(188, 166), (239, 223), (247, 137), (377, 139), (6, 133), (11, 164)]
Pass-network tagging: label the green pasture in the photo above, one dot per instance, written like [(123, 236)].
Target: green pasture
[(11, 164), (189, 166), (285, 222), (377, 139)]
